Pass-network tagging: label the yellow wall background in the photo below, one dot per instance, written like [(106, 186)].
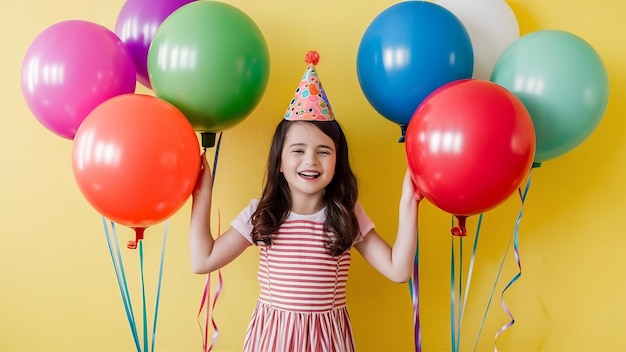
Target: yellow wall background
[(57, 286)]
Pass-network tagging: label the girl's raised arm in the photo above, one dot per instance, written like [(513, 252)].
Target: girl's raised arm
[(207, 254)]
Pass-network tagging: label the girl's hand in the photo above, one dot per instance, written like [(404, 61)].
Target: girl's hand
[(409, 189), (203, 181)]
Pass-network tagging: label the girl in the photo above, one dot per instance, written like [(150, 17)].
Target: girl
[(305, 224)]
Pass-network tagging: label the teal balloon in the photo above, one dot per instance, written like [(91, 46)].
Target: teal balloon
[(211, 61), (562, 82)]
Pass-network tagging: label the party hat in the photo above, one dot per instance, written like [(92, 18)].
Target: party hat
[(310, 101)]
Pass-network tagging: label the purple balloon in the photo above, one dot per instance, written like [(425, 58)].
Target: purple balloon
[(136, 24), (69, 69)]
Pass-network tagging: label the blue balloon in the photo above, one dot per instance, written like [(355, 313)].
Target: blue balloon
[(408, 51)]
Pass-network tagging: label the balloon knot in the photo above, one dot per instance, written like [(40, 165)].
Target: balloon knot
[(403, 131), (312, 57), (208, 139), (138, 237), (460, 229)]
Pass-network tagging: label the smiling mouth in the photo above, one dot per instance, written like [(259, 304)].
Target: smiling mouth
[(309, 174)]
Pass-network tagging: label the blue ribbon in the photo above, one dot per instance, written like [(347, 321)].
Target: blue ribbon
[(121, 279), (453, 298), (471, 267), (515, 240), (414, 289), (217, 153), (116, 257), (143, 298), (458, 297), (158, 294), (517, 260)]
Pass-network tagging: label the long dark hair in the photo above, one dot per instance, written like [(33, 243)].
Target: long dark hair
[(339, 198)]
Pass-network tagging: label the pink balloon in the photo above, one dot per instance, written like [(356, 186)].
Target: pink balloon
[(69, 69)]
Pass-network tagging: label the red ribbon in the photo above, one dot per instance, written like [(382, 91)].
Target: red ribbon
[(210, 308)]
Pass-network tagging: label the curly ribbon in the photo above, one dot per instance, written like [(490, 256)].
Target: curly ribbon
[(457, 311), (123, 285), (206, 298), (206, 302), (414, 288), (515, 240), (517, 260)]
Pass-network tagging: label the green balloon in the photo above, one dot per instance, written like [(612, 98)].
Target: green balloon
[(563, 84), (210, 60)]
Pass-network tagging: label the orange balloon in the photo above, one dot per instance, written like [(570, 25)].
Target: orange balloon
[(135, 158)]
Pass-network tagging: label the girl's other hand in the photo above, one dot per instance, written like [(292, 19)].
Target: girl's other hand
[(409, 188), (204, 179)]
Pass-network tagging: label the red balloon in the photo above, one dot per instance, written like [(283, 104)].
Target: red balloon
[(469, 145), (135, 159)]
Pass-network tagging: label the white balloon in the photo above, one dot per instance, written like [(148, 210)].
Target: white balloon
[(491, 25)]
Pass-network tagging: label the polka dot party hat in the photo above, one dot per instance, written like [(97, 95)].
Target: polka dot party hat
[(310, 101)]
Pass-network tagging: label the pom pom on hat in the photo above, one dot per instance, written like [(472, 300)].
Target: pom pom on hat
[(312, 57), (310, 101)]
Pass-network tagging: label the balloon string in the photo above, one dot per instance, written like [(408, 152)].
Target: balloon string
[(121, 279), (215, 158), (517, 260), (414, 281), (206, 302), (218, 290), (493, 290), (515, 239), (158, 294), (452, 298), (206, 297), (471, 266), (414, 289), (143, 298), (458, 296), (127, 292)]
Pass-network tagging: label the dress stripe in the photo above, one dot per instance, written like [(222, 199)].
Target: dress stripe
[(302, 303)]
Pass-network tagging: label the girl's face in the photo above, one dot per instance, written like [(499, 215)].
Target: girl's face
[(307, 160)]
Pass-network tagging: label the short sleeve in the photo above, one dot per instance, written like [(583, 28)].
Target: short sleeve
[(365, 223), (242, 222)]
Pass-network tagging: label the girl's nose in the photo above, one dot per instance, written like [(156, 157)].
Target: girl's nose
[(312, 158)]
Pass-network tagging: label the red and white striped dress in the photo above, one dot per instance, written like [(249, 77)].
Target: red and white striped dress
[(302, 304)]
